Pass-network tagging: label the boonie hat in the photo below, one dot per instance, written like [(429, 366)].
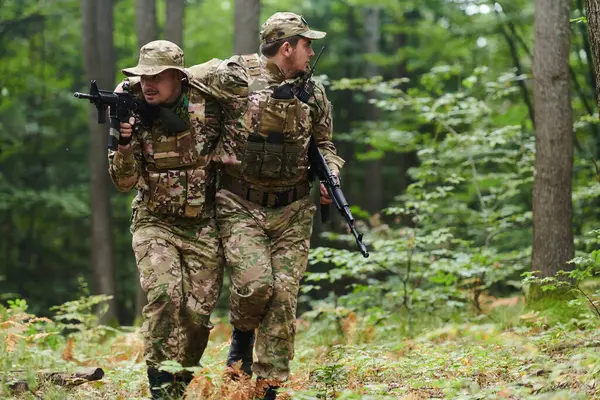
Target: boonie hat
[(282, 25), (157, 56)]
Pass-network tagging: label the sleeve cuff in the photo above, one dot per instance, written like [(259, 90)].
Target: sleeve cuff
[(334, 162)]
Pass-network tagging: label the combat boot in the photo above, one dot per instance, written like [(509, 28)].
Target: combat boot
[(242, 348), (265, 389), (174, 385), (156, 380), (180, 383)]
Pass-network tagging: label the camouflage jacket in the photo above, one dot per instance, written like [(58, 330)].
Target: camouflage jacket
[(265, 140), (174, 174)]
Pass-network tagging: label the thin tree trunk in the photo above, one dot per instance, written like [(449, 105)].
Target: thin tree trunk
[(592, 10), (146, 26), (517, 62), (147, 31), (587, 39), (174, 21), (99, 54), (552, 206), (247, 14), (373, 181)]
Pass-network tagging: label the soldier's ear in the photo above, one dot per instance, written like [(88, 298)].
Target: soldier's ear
[(286, 49)]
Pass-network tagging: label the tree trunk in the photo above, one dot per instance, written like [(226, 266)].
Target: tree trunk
[(552, 231), (145, 21), (592, 10), (174, 21), (247, 14), (99, 54), (373, 181), (147, 31), (593, 20)]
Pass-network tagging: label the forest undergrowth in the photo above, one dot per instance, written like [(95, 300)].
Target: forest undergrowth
[(505, 352)]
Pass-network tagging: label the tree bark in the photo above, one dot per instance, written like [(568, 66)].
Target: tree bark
[(373, 181), (146, 25), (592, 11), (552, 205), (174, 21), (247, 14), (593, 7), (99, 55)]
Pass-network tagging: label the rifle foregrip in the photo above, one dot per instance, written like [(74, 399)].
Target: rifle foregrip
[(339, 195)]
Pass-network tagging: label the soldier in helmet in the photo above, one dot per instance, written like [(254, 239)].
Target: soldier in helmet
[(264, 210), (166, 154)]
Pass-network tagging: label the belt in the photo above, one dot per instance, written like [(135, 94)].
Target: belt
[(263, 196)]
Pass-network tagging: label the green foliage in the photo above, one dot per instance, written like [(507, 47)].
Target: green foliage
[(462, 227), (571, 296), (456, 360), (332, 376), (452, 135), (83, 314)]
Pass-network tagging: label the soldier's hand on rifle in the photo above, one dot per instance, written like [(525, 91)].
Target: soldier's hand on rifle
[(325, 199), (126, 130)]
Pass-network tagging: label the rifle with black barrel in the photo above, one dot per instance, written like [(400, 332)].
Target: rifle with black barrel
[(303, 90), (122, 105)]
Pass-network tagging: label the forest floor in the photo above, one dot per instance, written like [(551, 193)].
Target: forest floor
[(509, 354)]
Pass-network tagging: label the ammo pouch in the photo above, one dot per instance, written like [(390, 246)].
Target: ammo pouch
[(175, 151), (279, 126), (270, 157), (179, 192), (179, 178)]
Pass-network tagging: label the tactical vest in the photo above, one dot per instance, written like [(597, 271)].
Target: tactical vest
[(179, 179), (275, 147)]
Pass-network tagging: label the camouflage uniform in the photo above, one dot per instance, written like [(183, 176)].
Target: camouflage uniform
[(175, 240), (264, 210)]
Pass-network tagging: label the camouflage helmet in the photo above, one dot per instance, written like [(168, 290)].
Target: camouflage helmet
[(157, 56), (283, 25)]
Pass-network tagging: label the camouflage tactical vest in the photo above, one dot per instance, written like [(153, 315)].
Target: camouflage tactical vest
[(275, 146), (179, 179)]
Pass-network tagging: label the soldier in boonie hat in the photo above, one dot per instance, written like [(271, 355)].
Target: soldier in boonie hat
[(283, 25), (161, 72), (165, 152), (157, 56)]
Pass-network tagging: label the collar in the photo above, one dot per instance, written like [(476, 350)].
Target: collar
[(273, 72)]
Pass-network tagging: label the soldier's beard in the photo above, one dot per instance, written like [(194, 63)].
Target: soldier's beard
[(299, 74), (152, 97)]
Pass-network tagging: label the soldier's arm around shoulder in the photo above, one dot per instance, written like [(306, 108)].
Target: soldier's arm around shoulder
[(322, 127), (124, 163), (225, 81)]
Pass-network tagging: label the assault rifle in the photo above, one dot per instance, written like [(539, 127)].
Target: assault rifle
[(320, 169), (122, 106)]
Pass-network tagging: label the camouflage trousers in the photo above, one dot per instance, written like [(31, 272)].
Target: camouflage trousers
[(181, 271), (267, 251)]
